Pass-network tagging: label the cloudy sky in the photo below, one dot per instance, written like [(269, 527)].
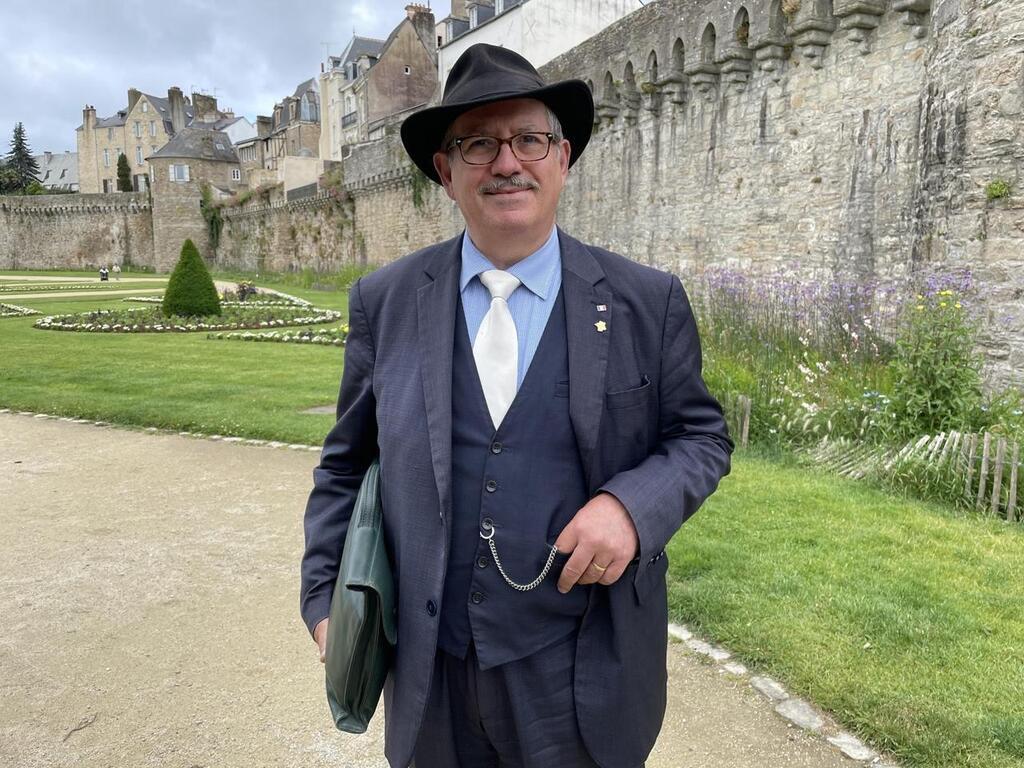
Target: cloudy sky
[(58, 55)]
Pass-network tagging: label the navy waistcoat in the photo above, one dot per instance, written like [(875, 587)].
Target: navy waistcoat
[(526, 480)]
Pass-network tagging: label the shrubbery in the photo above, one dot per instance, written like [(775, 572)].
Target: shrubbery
[(190, 291)]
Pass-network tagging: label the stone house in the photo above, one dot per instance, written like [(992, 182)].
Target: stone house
[(193, 157), (538, 29), (294, 126), (367, 85), (139, 130)]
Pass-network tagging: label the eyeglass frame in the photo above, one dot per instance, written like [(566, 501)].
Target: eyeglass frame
[(457, 143)]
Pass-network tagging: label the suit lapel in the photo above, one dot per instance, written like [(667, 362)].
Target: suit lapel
[(436, 321), (584, 289)]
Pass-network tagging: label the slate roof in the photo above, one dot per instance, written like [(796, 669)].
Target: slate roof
[(357, 46), (197, 142), (308, 85), (161, 105), (62, 168)]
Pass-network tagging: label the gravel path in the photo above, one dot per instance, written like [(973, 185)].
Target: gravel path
[(149, 595)]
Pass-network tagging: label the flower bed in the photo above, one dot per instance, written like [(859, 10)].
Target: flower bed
[(152, 320), (248, 303), (13, 310), (332, 337), (33, 287)]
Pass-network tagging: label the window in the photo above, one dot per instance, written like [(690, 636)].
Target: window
[(46, 176), (179, 173), (408, 70), (138, 128), (138, 155), (152, 127), (63, 172), (106, 158), (145, 106), (110, 134), (152, 149), (218, 145), (106, 185), (291, 110), (236, 174)]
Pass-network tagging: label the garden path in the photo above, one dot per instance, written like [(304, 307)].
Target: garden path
[(149, 589)]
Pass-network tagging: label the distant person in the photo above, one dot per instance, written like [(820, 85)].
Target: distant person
[(543, 430), (116, 269), (104, 274)]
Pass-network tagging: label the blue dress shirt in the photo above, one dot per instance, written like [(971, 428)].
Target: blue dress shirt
[(530, 303)]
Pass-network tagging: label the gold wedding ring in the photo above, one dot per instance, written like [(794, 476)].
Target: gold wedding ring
[(601, 568)]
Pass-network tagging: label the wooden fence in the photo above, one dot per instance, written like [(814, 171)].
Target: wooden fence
[(981, 468)]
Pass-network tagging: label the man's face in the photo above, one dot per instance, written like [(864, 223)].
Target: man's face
[(490, 204)]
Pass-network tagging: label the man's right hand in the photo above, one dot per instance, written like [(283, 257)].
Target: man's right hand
[(320, 635)]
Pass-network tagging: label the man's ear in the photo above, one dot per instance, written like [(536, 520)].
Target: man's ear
[(563, 157), (443, 166)]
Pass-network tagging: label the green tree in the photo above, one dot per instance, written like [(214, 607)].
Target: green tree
[(124, 174), (190, 291), (8, 180), (20, 161)]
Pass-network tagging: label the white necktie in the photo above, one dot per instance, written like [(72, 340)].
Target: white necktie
[(496, 348)]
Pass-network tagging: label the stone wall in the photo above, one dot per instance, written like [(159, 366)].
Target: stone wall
[(79, 231), (853, 139), (314, 233)]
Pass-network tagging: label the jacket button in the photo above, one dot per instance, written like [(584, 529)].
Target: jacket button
[(481, 562), (491, 486), (496, 447), (477, 598), (487, 524), (431, 607)]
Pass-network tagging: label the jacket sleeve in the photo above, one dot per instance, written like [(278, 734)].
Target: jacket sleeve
[(693, 446), (348, 451)]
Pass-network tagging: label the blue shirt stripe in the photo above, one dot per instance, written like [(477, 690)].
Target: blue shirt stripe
[(530, 304)]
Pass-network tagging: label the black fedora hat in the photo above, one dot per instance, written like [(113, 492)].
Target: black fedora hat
[(485, 74)]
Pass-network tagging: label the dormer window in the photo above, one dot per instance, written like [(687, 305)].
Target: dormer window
[(145, 106), (474, 16)]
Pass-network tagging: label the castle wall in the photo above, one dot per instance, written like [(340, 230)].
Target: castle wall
[(80, 231)]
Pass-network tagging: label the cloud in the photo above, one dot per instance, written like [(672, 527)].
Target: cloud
[(58, 56)]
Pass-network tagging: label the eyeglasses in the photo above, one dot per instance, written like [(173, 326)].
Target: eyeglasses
[(483, 150)]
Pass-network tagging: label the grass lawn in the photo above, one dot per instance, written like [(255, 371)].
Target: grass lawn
[(903, 620)]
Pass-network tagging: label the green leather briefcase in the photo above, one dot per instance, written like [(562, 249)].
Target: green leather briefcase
[(361, 634)]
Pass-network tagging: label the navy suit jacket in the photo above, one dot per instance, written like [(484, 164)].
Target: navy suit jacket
[(647, 431)]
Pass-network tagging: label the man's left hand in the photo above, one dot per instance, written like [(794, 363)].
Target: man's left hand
[(602, 540)]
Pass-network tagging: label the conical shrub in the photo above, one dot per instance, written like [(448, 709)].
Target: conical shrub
[(191, 291)]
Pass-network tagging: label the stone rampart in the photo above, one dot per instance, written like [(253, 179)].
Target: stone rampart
[(80, 231)]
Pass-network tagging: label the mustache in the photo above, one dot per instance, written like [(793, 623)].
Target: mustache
[(512, 182)]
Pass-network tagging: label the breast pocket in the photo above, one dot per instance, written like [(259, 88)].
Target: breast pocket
[(629, 398)]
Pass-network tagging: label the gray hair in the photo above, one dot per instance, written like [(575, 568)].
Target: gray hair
[(555, 129)]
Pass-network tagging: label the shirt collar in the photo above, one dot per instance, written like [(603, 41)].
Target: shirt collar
[(535, 271)]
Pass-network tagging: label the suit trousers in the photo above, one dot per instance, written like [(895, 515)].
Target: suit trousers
[(516, 715)]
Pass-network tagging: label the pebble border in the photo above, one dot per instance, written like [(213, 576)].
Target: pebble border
[(797, 711)]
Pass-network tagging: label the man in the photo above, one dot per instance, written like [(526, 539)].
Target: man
[(543, 430)]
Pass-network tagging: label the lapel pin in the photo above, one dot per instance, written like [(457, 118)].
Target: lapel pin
[(601, 326), (602, 307)]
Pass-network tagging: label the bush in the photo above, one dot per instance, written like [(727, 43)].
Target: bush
[(190, 291), (936, 368)]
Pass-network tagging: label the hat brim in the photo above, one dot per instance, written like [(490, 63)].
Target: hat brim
[(570, 100)]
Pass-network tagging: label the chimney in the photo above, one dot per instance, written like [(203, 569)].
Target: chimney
[(264, 125), (48, 155), (422, 19), (459, 10), (89, 117), (133, 98), (204, 108), (177, 107)]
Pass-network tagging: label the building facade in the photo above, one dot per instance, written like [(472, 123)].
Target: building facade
[(139, 130), (538, 29), (368, 84)]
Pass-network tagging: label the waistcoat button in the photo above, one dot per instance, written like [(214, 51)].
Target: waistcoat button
[(496, 447), (477, 598), (491, 486), (481, 562), (431, 607)]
